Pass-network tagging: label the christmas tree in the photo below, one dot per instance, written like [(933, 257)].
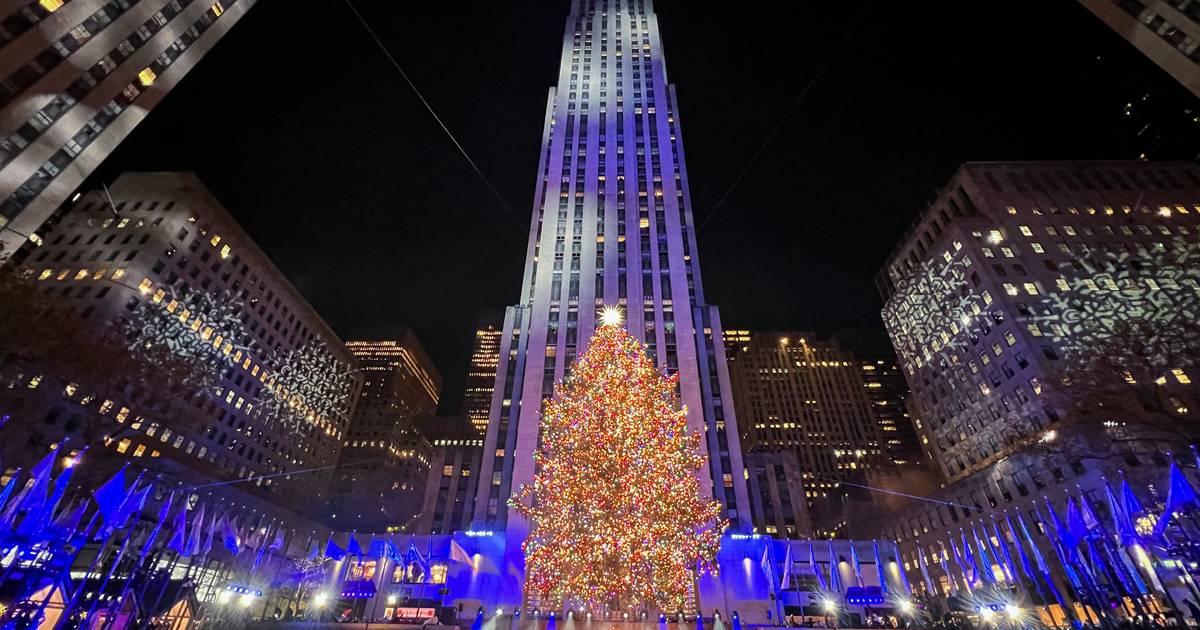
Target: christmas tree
[(617, 517)]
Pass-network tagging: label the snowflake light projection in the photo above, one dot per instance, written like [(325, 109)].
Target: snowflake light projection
[(935, 318), (1146, 302), (202, 330), (307, 386)]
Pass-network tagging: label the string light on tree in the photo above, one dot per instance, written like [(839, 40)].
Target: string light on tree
[(617, 516)]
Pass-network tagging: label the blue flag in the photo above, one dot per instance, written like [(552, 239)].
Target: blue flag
[(987, 572), (230, 536), (111, 495), (332, 550), (352, 547), (193, 542), (34, 498), (1005, 556), (812, 564), (1075, 524), (946, 568), (178, 541), (163, 510), (929, 589), (1133, 507), (970, 556), (9, 487), (835, 571), (1025, 568), (856, 565), (377, 548), (1122, 524), (60, 489), (962, 566), (1179, 495), (879, 567)]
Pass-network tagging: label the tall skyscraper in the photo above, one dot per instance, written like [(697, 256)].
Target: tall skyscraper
[(1044, 315), (481, 374), (794, 392), (384, 463), (160, 259), (887, 391), (1166, 31), (612, 226), (76, 76)]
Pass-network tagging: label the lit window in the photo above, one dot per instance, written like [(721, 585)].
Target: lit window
[(448, 470), (146, 77), (1031, 288), (145, 286), (46, 273), (51, 5), (1010, 288), (1181, 376), (217, 9)]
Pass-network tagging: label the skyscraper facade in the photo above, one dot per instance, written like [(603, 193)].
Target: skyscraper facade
[(481, 374), (453, 475), (797, 393), (887, 391), (1044, 315), (1166, 31), (380, 481), (76, 76), (159, 258), (612, 226)]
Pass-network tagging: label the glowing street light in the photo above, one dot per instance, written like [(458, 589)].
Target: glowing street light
[(906, 606), (1014, 612), (320, 600), (246, 599)]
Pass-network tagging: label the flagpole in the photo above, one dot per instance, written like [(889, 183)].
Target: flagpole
[(69, 608), (115, 565)]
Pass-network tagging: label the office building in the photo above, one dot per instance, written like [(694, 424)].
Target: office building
[(481, 375), (1166, 31), (161, 260), (792, 391), (76, 77), (380, 482), (1044, 316), (449, 501), (612, 226), (887, 391)]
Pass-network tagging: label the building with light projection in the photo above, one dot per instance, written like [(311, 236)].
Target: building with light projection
[(1043, 314)]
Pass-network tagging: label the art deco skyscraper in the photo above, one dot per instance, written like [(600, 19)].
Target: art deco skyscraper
[(612, 225), (76, 76), (481, 375)]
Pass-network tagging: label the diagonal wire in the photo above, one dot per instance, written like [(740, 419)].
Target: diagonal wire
[(771, 136), (395, 64)]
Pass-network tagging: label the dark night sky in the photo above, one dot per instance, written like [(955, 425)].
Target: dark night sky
[(312, 140)]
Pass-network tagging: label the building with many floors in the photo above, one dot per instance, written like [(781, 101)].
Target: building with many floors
[(1044, 315), (481, 375), (611, 226), (1166, 31), (887, 390), (794, 392), (449, 501), (76, 77), (158, 258), (380, 482)]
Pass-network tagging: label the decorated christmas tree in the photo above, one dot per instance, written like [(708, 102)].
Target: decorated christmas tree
[(617, 515)]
